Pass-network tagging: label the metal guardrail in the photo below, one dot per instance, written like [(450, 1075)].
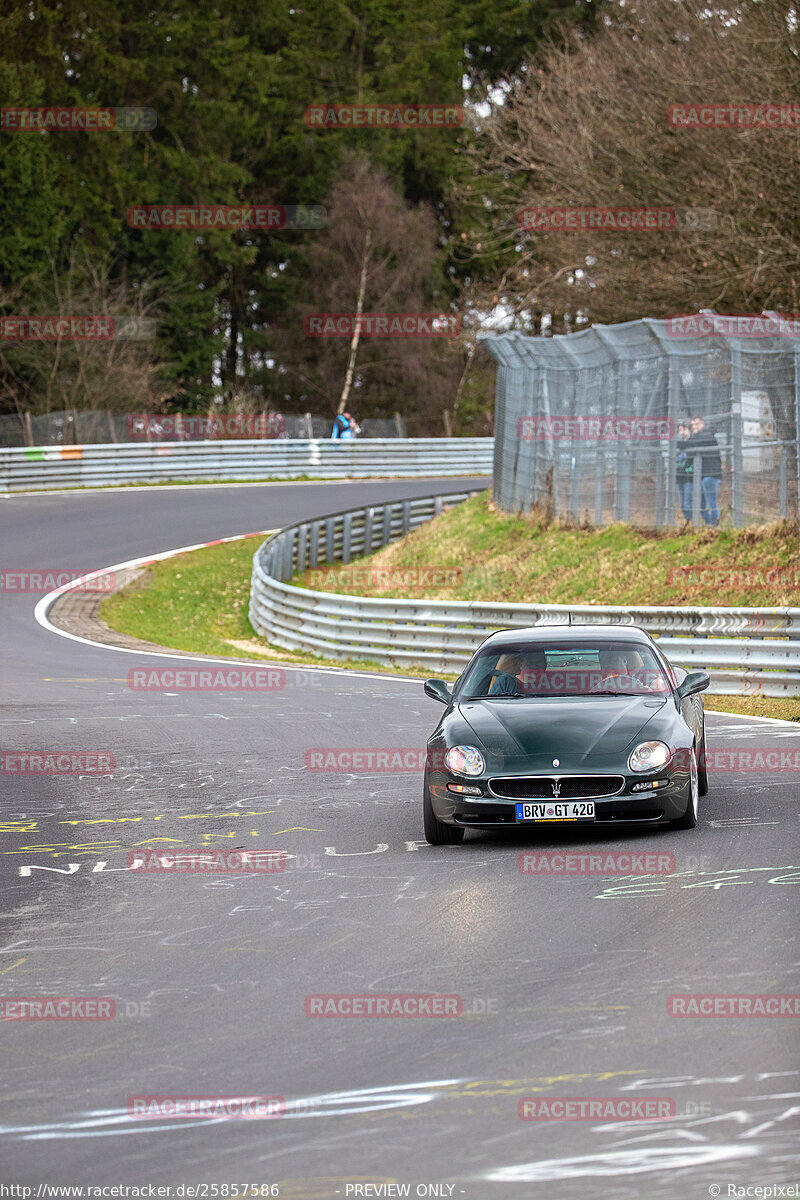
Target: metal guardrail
[(747, 651), (160, 462)]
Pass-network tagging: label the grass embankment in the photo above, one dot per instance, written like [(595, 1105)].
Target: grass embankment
[(198, 602), (519, 560)]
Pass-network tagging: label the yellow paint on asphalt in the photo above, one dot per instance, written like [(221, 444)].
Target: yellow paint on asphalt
[(297, 829), (18, 963), (504, 1087)]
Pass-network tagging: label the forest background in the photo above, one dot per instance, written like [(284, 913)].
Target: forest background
[(565, 103)]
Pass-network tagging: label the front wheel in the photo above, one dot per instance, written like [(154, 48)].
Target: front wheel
[(689, 818), (436, 832)]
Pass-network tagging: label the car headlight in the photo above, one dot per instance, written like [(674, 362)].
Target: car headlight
[(650, 756), (464, 760)]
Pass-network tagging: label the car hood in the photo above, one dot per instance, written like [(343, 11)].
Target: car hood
[(581, 732)]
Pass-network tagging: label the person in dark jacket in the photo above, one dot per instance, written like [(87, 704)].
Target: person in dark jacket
[(683, 471), (710, 466)]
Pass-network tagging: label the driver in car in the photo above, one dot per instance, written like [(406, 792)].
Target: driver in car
[(615, 673), (613, 663)]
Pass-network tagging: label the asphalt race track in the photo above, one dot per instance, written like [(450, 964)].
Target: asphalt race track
[(563, 981)]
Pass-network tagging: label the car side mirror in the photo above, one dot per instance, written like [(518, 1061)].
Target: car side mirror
[(437, 689), (695, 681)]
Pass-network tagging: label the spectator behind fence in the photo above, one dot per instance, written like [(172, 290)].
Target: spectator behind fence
[(710, 467), (683, 471), (345, 427)]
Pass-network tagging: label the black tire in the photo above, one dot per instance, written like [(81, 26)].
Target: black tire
[(436, 832), (689, 818), (702, 766)]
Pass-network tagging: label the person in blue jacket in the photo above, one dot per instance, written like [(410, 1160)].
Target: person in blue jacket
[(343, 427)]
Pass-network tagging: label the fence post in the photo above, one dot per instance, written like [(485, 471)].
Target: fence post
[(574, 488), (368, 512), (697, 469), (302, 540), (783, 482), (737, 475), (347, 525), (313, 548), (386, 534), (330, 543), (660, 489), (797, 424), (600, 462), (673, 401), (288, 556)]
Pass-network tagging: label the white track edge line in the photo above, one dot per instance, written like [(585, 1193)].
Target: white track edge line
[(43, 606)]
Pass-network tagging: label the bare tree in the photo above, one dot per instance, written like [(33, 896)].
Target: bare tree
[(377, 254), (589, 128), (118, 373)]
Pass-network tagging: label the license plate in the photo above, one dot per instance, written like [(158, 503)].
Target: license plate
[(564, 810)]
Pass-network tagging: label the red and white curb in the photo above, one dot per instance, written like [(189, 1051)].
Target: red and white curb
[(45, 604)]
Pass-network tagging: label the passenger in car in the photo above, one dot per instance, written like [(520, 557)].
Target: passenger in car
[(504, 677)]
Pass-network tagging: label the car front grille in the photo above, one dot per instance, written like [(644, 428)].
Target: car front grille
[(556, 787)]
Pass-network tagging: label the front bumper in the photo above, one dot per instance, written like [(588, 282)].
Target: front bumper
[(486, 811)]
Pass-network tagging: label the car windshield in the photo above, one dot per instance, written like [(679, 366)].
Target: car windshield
[(565, 668)]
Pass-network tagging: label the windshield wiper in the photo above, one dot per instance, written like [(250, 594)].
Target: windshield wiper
[(608, 692), (495, 696)]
